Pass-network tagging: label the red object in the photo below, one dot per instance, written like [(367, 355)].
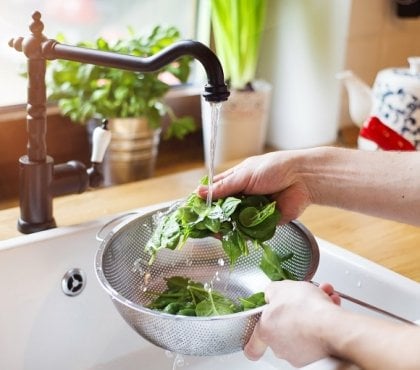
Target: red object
[(385, 137)]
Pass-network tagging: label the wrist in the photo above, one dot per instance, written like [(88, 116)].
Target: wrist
[(315, 169), (333, 341)]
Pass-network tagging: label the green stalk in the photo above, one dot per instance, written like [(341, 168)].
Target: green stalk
[(237, 28), (212, 303)]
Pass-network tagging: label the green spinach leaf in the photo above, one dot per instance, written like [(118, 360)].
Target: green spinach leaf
[(235, 220), (272, 264), (253, 301), (189, 298)]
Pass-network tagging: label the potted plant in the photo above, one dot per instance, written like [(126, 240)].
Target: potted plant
[(237, 27), (133, 102)]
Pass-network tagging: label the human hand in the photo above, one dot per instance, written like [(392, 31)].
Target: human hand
[(272, 174), (293, 321)]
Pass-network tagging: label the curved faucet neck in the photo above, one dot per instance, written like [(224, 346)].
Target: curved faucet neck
[(216, 89), (40, 179)]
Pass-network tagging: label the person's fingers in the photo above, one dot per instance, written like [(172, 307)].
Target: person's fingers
[(224, 174), (335, 298), (329, 289), (224, 184), (256, 347)]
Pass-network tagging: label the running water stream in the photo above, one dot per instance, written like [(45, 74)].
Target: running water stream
[(179, 360), (215, 116)]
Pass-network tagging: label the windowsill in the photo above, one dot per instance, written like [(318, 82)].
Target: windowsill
[(18, 111)]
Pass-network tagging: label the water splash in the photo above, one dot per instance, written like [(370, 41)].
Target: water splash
[(179, 362), (169, 354), (137, 266), (146, 278), (208, 287)]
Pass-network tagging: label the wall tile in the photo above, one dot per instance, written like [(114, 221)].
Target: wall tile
[(367, 17), (363, 55), (394, 50)]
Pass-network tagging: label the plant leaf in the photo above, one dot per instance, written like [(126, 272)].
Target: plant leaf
[(253, 301), (229, 206), (101, 92), (271, 265), (237, 28), (234, 246)]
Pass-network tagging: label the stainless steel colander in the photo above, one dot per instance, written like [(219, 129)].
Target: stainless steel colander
[(123, 270)]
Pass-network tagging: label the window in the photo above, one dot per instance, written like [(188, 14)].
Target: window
[(81, 20)]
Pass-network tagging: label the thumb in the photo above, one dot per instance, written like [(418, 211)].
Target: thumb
[(255, 347)]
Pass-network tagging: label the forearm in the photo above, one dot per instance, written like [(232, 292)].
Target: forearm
[(371, 343), (384, 184)]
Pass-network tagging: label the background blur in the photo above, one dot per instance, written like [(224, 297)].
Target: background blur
[(305, 43)]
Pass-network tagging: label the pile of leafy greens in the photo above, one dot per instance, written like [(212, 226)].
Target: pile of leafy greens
[(186, 297), (238, 222)]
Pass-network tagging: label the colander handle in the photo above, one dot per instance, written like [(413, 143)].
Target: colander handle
[(100, 235), (370, 306)]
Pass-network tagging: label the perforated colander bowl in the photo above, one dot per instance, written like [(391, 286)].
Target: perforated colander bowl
[(122, 267)]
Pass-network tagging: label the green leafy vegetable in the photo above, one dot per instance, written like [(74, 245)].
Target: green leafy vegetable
[(272, 265), (253, 301), (186, 297), (238, 222), (234, 220)]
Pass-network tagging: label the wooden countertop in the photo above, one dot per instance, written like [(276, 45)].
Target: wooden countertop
[(391, 244)]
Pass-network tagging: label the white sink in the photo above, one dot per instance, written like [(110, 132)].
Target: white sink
[(43, 328)]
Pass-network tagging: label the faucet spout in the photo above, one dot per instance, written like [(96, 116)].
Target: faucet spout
[(215, 91), (40, 179)]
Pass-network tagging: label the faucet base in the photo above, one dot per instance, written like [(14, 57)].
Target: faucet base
[(36, 178), (29, 228)]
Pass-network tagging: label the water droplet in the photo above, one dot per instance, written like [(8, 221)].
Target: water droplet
[(221, 262), (137, 266), (347, 272), (178, 362), (359, 284), (169, 354), (147, 277)]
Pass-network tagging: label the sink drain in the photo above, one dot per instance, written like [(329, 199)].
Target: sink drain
[(73, 282)]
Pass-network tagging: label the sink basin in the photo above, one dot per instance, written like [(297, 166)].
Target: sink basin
[(49, 323)]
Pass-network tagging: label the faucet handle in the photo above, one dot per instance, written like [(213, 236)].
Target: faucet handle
[(100, 141)]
